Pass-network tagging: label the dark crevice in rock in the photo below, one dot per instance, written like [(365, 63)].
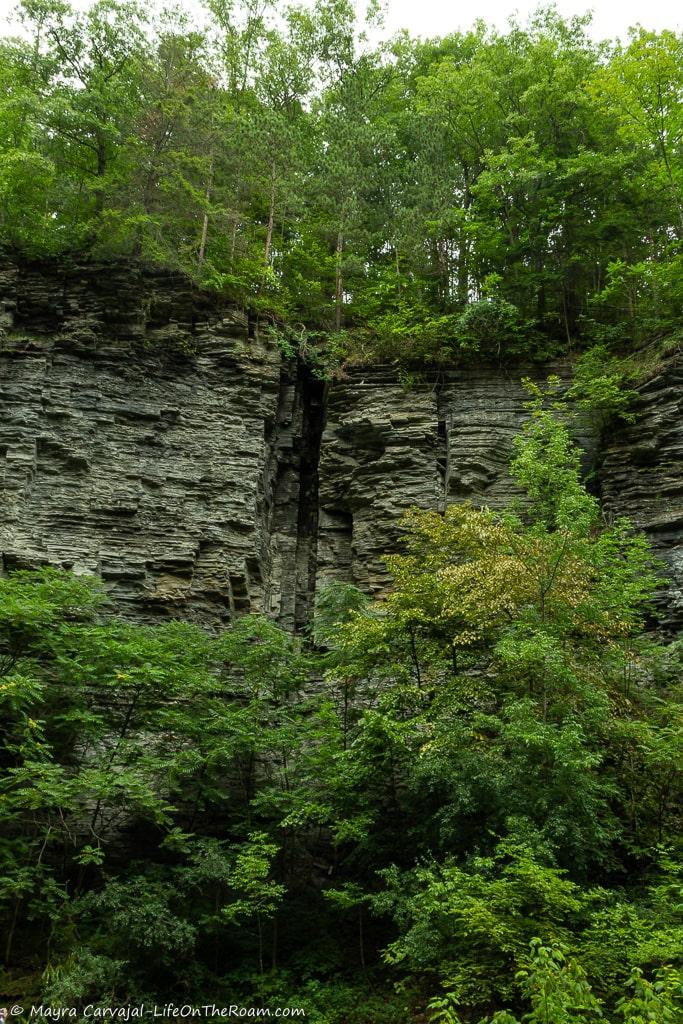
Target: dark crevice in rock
[(313, 397), (151, 434), (293, 440), (442, 458)]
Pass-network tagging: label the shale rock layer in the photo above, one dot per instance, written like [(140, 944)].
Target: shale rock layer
[(149, 437), (149, 434)]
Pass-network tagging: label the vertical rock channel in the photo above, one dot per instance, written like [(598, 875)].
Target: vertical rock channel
[(291, 488), (151, 435)]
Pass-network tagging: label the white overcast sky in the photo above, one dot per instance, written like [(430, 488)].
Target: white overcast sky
[(611, 18)]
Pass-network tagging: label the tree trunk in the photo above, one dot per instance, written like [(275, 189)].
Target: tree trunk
[(205, 222), (463, 269), (273, 958), (233, 242), (361, 939), (260, 943), (11, 930), (672, 183), (101, 171), (271, 214), (338, 285)]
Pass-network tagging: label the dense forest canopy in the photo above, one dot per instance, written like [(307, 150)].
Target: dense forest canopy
[(483, 192)]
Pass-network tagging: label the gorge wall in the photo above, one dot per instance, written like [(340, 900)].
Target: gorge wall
[(151, 435)]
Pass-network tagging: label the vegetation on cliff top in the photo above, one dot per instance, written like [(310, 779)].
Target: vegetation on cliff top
[(507, 194), (473, 817)]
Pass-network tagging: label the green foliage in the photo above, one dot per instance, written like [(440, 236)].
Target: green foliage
[(492, 327), (110, 730), (383, 826), (279, 158), (660, 1000), (475, 924), (249, 878), (599, 386), (442, 1009), (506, 690), (546, 465), (335, 605), (83, 977), (557, 990)]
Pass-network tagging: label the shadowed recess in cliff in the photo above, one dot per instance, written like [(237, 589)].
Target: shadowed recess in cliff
[(150, 434)]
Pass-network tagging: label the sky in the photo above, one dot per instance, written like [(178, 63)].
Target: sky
[(612, 18)]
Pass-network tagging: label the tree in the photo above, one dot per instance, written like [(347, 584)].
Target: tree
[(498, 728), (89, 108), (643, 83)]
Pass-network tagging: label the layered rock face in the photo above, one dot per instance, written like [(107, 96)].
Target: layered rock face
[(447, 438), (149, 435), (386, 447), (642, 477)]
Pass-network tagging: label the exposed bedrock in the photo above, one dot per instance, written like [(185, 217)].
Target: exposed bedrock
[(147, 436), (150, 435), (449, 439), (642, 477), (446, 439)]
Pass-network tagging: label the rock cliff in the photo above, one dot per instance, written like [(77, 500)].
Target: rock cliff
[(641, 476), (446, 438), (149, 434)]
